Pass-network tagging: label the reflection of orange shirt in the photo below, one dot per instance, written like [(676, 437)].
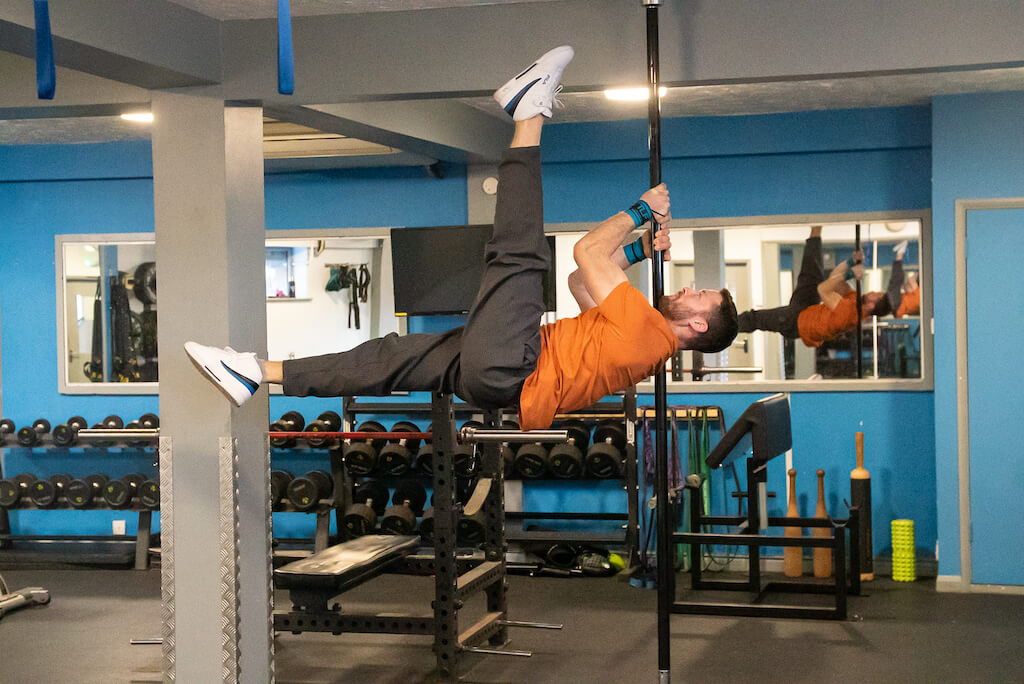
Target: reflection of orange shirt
[(818, 324), (910, 305), (604, 350)]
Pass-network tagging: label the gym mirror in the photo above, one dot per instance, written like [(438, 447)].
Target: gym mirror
[(326, 291), (760, 264)]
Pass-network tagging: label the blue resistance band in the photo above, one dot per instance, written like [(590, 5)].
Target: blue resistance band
[(285, 57), (46, 72)]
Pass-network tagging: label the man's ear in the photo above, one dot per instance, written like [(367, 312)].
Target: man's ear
[(698, 324)]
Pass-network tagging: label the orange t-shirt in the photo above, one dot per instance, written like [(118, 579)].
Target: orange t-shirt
[(818, 324), (604, 350), (910, 305)]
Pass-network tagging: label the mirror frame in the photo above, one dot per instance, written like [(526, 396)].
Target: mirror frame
[(152, 388), (924, 383)]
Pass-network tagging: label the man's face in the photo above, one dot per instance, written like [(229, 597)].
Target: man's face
[(869, 301), (697, 302)]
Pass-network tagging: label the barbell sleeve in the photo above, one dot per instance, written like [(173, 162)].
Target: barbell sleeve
[(469, 435)]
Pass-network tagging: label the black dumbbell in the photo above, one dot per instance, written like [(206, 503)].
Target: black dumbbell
[(424, 462), (119, 493), (531, 461), (328, 421), (306, 491), (427, 526), (149, 421), (279, 480), (81, 492), (407, 503), (149, 494), (396, 458), (45, 493), (292, 421), (7, 427), (605, 456), (146, 421), (362, 455), (12, 490), (370, 500), (566, 459), (31, 436), (111, 422), (66, 434), (471, 530)]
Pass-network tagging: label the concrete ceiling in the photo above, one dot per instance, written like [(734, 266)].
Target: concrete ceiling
[(709, 77)]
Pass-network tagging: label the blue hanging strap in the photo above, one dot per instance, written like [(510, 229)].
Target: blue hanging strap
[(285, 57), (46, 71)]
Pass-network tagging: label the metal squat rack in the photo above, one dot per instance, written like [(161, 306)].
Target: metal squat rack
[(456, 578)]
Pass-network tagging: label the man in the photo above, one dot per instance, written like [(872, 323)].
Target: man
[(822, 309), (502, 356)]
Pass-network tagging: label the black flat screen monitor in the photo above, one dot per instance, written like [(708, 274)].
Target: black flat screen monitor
[(763, 428), (437, 270)]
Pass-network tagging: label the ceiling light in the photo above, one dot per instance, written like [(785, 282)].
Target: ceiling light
[(138, 117), (632, 94)]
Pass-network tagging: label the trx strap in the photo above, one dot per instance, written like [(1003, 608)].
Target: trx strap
[(46, 72), (285, 57)]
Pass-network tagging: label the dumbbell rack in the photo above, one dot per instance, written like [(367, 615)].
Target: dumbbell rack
[(629, 539), (143, 538)]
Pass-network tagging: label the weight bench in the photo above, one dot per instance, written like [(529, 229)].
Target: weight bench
[(312, 582)]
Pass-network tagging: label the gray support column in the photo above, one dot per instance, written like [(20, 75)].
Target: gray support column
[(208, 205), (709, 272)]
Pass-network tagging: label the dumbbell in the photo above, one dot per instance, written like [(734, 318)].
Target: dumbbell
[(31, 436), (328, 421), (306, 491), (463, 490), (81, 492), (119, 493), (361, 456), (397, 456), (566, 459), (111, 422), (279, 480), (605, 456), (149, 494), (66, 434), (7, 427), (407, 503), (146, 421), (370, 500), (471, 530), (44, 493), (531, 461), (425, 456), (292, 421), (12, 490)]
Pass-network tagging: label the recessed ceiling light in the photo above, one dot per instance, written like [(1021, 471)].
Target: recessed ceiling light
[(632, 94), (138, 117)]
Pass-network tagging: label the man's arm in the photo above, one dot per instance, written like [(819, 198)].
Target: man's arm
[(834, 288), (599, 256)]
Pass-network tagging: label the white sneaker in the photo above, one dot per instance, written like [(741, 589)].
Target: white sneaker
[(900, 249), (235, 374), (532, 92)]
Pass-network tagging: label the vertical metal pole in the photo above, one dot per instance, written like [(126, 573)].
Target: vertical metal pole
[(860, 335), (666, 586)]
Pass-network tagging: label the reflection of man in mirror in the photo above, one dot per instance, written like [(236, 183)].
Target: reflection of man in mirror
[(820, 308), (502, 356), (910, 297)]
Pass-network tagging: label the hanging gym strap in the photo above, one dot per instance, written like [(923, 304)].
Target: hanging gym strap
[(666, 586), (860, 335), (285, 57), (46, 72)]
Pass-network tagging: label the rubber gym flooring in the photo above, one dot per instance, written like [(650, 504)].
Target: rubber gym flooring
[(900, 633)]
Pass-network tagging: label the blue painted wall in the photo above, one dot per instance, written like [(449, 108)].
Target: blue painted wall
[(978, 152), (844, 161)]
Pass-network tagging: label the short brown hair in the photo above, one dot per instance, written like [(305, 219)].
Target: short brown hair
[(722, 325)]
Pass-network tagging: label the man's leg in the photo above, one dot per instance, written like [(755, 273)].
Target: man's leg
[(896, 278), (783, 319), (502, 336)]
